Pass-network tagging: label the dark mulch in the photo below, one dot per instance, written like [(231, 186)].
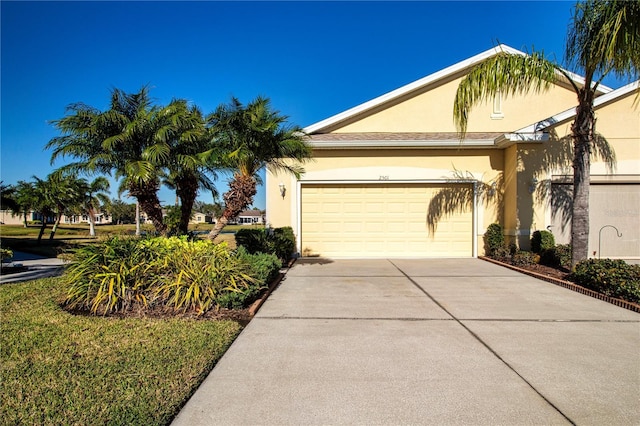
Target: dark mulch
[(241, 316), (549, 271)]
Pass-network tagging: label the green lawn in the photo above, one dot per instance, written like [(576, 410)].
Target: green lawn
[(58, 368), (17, 237)]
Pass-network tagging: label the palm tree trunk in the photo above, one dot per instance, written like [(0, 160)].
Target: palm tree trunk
[(92, 224), (147, 197), (55, 226), (186, 191), (137, 218), (583, 132), (219, 226), (240, 195), (42, 228)]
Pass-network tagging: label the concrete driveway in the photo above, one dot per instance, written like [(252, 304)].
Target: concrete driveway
[(431, 341)]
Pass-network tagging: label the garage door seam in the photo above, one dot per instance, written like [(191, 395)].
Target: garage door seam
[(483, 343)]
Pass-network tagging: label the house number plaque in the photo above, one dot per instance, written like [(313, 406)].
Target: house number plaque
[(384, 177)]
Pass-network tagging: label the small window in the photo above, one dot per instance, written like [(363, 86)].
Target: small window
[(497, 113)]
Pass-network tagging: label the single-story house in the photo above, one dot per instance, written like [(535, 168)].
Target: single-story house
[(201, 218), (391, 178), (250, 217), (7, 217)]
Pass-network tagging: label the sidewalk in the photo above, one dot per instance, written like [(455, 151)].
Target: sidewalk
[(431, 341), (37, 267)]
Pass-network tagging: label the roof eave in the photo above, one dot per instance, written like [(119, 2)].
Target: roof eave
[(404, 144), (418, 84)]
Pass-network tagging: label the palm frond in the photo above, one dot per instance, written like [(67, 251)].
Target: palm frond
[(505, 73)]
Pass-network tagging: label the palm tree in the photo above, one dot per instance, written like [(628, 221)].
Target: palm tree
[(25, 198), (7, 197), (604, 38), (184, 151), (117, 140), (92, 196), (63, 194), (44, 201), (256, 136)]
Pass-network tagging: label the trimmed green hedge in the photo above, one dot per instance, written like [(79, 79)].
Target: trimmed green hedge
[(494, 240), (542, 240), (615, 278), (278, 241)]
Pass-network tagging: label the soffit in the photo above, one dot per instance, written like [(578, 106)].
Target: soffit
[(401, 140)]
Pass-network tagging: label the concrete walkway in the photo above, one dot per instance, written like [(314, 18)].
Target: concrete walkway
[(37, 267), (437, 341)]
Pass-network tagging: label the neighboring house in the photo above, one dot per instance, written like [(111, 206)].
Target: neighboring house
[(250, 217), (7, 217), (201, 218), (100, 219), (390, 177)]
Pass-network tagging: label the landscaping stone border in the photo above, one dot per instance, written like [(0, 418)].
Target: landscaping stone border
[(569, 285)]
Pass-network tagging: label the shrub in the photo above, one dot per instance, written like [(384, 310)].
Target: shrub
[(549, 258), (284, 242), (263, 268), (120, 273), (502, 254), (5, 254), (279, 241), (559, 256), (108, 276), (493, 239), (197, 273), (523, 258), (563, 253), (542, 240), (614, 278), (253, 240)]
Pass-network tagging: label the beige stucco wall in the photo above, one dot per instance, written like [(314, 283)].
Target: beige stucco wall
[(525, 169), (432, 111), (618, 122), (386, 166)]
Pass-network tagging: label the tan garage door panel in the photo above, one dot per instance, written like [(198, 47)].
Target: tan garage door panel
[(379, 220), (615, 204)]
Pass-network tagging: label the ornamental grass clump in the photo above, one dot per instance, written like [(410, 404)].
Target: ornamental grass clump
[(111, 276), (198, 273)]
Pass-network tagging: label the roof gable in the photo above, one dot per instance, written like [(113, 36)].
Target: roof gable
[(389, 98), (536, 131)]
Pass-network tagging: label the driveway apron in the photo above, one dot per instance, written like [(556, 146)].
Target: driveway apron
[(425, 341)]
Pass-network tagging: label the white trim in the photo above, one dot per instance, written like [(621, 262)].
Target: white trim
[(473, 143), (474, 224), (534, 131), (474, 213), (418, 84), (296, 211)]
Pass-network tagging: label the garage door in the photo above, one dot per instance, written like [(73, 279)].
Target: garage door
[(380, 220), (609, 204)]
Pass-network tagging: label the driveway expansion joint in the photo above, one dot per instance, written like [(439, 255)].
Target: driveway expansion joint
[(485, 344), (356, 318)]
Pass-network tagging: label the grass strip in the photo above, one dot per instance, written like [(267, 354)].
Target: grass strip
[(58, 368)]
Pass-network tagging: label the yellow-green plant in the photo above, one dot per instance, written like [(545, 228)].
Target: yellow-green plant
[(201, 270), (109, 276)]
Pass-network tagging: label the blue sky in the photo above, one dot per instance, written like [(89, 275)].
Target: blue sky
[(312, 59)]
